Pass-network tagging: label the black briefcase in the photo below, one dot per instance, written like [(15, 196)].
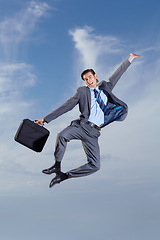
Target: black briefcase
[(32, 135)]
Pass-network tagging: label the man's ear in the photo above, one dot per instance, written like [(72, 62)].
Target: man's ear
[(95, 75)]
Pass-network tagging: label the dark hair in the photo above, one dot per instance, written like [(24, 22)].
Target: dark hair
[(87, 71)]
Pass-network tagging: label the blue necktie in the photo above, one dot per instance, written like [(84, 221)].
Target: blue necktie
[(117, 111), (100, 101)]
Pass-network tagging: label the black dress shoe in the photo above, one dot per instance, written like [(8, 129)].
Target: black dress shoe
[(55, 180), (58, 178), (51, 170)]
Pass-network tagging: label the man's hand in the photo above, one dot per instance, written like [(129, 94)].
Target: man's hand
[(40, 121), (133, 56)]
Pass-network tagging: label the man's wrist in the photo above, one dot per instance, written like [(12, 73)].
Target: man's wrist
[(45, 120)]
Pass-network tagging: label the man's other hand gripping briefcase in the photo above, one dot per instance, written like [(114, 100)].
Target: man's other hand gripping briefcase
[(32, 135)]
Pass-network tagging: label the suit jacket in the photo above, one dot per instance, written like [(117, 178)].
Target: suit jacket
[(117, 109)]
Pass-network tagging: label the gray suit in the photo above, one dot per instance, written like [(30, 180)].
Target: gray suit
[(81, 130)]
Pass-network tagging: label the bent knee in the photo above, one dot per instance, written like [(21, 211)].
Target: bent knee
[(62, 136), (96, 167)]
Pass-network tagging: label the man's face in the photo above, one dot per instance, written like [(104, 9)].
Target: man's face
[(90, 79)]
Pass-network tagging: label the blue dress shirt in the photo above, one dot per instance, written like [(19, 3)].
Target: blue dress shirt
[(96, 114)]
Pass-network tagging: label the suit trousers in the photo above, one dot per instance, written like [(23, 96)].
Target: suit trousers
[(89, 138)]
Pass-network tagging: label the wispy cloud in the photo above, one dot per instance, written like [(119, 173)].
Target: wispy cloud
[(38, 9), (17, 29), (91, 46), (148, 49), (15, 79)]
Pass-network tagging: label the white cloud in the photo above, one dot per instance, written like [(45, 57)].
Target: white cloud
[(14, 30), (15, 79), (38, 9), (91, 46)]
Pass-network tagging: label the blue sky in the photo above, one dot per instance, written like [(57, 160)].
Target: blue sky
[(44, 46)]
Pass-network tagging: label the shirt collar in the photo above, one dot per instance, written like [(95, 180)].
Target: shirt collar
[(92, 89)]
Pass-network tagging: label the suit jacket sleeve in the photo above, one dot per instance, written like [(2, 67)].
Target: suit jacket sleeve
[(118, 73), (67, 106)]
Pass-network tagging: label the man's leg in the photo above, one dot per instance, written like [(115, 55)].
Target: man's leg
[(69, 133), (89, 137), (91, 148)]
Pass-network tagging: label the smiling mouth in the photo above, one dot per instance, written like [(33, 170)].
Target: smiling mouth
[(91, 83)]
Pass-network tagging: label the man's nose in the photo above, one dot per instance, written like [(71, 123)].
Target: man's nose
[(88, 80)]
